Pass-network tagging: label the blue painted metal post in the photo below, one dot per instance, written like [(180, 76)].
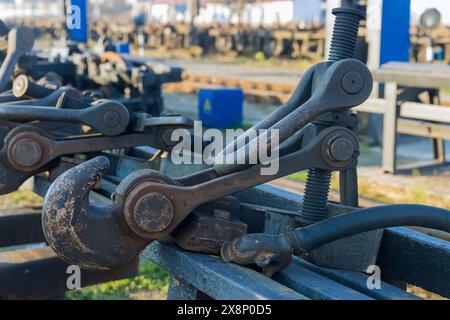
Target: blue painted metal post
[(388, 24), (395, 23), (77, 20)]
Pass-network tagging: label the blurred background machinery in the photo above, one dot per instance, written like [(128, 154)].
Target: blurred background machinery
[(286, 28)]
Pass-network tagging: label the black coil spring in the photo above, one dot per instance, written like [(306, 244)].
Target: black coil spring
[(343, 41), (75, 104), (315, 200), (345, 33)]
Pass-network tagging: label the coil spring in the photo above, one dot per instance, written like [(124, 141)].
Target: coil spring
[(343, 41)]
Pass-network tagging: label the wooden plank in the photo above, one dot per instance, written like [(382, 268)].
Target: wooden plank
[(389, 154), (372, 105), (417, 259), (248, 87), (358, 282), (216, 278), (20, 226), (316, 286), (39, 273), (423, 129), (414, 74), (423, 111), (423, 69)]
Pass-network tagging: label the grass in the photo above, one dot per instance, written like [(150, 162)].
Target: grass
[(445, 90), (151, 284), (20, 198)]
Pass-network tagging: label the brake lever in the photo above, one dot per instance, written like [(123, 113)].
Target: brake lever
[(107, 117), (27, 150), (148, 205), (345, 84)]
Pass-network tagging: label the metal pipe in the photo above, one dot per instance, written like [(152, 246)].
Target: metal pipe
[(362, 220)]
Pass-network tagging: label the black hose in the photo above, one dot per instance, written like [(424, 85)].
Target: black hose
[(318, 234)]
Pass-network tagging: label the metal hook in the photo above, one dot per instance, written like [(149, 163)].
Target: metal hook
[(84, 233)]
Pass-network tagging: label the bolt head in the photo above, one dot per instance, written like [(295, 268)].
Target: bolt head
[(26, 152), (352, 82), (111, 119), (20, 86), (153, 212), (341, 149)]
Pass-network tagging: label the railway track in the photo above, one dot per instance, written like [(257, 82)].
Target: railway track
[(254, 90)]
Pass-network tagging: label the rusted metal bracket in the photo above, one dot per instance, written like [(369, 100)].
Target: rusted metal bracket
[(106, 117), (148, 205), (27, 150)]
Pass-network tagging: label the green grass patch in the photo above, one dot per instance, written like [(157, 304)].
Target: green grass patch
[(20, 198), (299, 176), (151, 283)]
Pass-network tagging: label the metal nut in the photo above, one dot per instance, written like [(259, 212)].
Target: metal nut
[(26, 152), (352, 82), (111, 119), (341, 149), (153, 212)]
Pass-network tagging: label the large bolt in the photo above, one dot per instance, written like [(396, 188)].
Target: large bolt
[(345, 33), (111, 119), (341, 149), (22, 86), (153, 212), (352, 82), (65, 101), (26, 152)]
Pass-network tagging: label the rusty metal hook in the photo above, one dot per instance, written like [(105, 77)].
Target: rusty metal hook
[(90, 234), (83, 233)]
